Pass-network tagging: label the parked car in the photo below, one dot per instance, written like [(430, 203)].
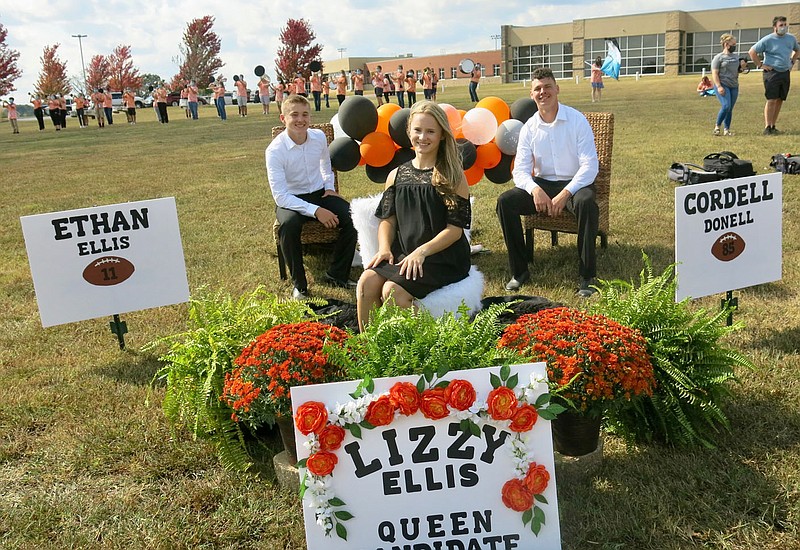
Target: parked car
[(118, 104), (173, 98)]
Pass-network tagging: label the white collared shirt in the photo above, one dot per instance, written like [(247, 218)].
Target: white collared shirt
[(294, 169), (559, 151)]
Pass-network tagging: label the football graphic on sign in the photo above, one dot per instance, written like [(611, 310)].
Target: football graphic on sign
[(727, 247), (108, 271)]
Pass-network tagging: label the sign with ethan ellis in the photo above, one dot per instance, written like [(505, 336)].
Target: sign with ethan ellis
[(105, 260), (448, 461), (728, 234)]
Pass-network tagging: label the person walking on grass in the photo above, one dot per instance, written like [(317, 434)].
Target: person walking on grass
[(725, 74), (38, 111), (780, 50), (11, 107), (263, 94), (191, 99), (108, 107), (241, 95), (597, 79), (98, 98)]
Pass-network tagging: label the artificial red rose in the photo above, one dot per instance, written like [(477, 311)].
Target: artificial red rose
[(433, 404), (380, 412), (524, 418), (460, 394), (537, 478), (321, 463), (331, 437), (311, 416), (502, 403), (516, 496), (405, 397)]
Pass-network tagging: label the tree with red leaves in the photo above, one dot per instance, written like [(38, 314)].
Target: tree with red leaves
[(297, 52), (199, 58), (97, 73), (53, 78), (123, 73), (9, 71)]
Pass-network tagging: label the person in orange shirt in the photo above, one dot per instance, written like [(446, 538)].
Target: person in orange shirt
[(241, 95), (54, 108), (377, 83), (263, 94), (316, 89), (12, 114), (160, 98), (184, 99), (399, 78), (38, 111), (434, 83), (427, 83), (98, 98), (219, 98), (411, 87), (300, 85), (108, 107), (341, 87), (358, 83), (279, 89), (191, 99), (79, 103), (62, 108), (130, 105), (474, 78)]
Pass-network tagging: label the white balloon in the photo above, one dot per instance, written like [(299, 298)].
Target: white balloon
[(479, 125), (337, 129), (507, 136)]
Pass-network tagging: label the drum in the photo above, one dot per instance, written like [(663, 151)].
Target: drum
[(260, 70), (466, 66), (315, 66), (236, 78)]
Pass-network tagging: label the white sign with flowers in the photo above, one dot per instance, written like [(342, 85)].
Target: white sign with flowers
[(458, 462)]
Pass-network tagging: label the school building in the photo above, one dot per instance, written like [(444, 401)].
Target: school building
[(666, 43)]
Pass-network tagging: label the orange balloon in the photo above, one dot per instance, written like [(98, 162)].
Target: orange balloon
[(385, 112), (489, 155), (362, 161), (474, 174), (497, 106), (453, 117), (377, 149)]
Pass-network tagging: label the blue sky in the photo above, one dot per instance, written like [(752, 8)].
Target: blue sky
[(249, 30)]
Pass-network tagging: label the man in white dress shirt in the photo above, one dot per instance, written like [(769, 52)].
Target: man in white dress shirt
[(302, 184), (554, 169)]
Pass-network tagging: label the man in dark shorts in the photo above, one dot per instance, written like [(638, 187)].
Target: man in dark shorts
[(780, 50)]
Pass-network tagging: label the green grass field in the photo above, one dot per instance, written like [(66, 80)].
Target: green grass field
[(87, 459)]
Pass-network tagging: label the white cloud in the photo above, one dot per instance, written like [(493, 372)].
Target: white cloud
[(249, 31)]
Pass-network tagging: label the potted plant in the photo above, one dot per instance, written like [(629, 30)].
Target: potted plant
[(593, 364), (258, 389)]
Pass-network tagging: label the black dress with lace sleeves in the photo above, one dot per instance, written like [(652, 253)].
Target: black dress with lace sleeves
[(421, 214)]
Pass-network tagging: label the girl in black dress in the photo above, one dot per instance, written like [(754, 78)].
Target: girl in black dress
[(424, 211)]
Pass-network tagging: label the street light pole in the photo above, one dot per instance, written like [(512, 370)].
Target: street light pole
[(341, 51), (83, 65), (495, 37)]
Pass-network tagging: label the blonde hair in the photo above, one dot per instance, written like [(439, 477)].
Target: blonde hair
[(726, 38), (448, 171), (292, 100)]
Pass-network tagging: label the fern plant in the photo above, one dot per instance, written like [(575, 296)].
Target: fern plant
[(399, 341), (197, 360), (692, 364)]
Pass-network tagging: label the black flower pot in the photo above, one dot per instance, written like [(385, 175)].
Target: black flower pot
[(575, 434)]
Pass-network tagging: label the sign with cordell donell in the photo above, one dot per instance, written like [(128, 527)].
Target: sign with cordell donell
[(104, 260)]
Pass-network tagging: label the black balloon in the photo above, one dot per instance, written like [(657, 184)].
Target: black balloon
[(260, 70), (380, 173), (523, 109), (502, 172), (345, 154), (469, 154), (358, 117), (398, 127)]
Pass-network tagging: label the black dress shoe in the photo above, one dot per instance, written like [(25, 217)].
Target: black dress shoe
[(518, 280), (333, 281)]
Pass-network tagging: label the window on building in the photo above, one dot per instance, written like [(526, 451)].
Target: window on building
[(526, 58), (453, 72), (701, 47), (641, 54), (496, 70), (441, 73)]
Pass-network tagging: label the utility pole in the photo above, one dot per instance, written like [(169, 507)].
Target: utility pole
[(83, 65), (341, 51), (495, 37)]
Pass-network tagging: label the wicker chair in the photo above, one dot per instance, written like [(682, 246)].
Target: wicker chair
[(313, 231), (603, 127)]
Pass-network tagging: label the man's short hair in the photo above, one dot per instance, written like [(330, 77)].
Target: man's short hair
[(540, 73), (778, 19), (292, 100)]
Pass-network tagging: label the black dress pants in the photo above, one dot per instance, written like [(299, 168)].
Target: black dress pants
[(517, 202), (291, 224)]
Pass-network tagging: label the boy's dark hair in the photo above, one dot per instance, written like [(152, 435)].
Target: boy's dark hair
[(777, 19), (540, 73)]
